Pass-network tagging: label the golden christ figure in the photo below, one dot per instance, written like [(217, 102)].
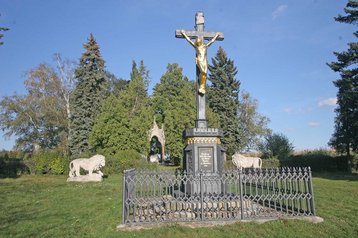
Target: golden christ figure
[(200, 58)]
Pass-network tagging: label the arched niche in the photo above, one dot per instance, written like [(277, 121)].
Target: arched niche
[(156, 133)]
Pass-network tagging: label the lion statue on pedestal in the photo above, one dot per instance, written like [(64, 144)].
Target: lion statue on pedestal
[(92, 165)]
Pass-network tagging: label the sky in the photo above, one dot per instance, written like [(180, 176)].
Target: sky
[(280, 48)]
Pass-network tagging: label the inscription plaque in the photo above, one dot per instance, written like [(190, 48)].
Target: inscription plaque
[(206, 159)]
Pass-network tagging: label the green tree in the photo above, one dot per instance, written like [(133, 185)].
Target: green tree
[(116, 85), (223, 98), (253, 125), (39, 118), (125, 118), (174, 105), (276, 145), (86, 99), (345, 136)]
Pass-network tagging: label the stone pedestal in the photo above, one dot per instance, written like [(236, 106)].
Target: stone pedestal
[(203, 151), (204, 156), (86, 178)]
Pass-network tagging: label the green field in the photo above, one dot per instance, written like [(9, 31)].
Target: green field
[(48, 206)]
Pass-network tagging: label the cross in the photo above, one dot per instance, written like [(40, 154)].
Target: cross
[(201, 61), (199, 30)]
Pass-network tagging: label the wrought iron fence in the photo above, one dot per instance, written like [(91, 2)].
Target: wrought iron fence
[(150, 197)]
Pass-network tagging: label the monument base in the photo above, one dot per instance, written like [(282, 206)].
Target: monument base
[(204, 156)]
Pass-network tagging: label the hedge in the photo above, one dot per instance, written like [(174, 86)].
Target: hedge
[(318, 163)]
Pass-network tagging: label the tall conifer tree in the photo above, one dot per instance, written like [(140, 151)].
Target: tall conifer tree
[(345, 136), (87, 98), (223, 98)]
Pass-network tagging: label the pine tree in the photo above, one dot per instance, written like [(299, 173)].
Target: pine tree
[(345, 136), (223, 98), (86, 99)]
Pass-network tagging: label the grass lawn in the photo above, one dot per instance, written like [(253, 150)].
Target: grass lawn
[(48, 206)]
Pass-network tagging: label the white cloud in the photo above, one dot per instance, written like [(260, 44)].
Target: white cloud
[(281, 9), (313, 124), (328, 102)]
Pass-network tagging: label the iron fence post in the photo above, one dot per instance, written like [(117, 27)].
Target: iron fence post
[(241, 195), (124, 196), (201, 195), (311, 191)]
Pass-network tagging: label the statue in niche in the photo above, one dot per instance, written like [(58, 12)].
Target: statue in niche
[(156, 138)]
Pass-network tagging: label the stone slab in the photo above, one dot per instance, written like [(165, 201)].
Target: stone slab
[(193, 225), (86, 178)]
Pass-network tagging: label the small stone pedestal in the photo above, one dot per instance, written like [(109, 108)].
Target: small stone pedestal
[(86, 178)]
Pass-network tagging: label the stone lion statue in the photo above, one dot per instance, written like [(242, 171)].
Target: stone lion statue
[(92, 165)]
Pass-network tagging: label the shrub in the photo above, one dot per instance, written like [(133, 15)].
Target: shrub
[(318, 161), (31, 165), (270, 163), (40, 162), (126, 159), (48, 162), (12, 168), (12, 154), (276, 145), (176, 160), (58, 165)]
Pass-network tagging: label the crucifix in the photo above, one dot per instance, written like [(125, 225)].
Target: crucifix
[(201, 61)]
